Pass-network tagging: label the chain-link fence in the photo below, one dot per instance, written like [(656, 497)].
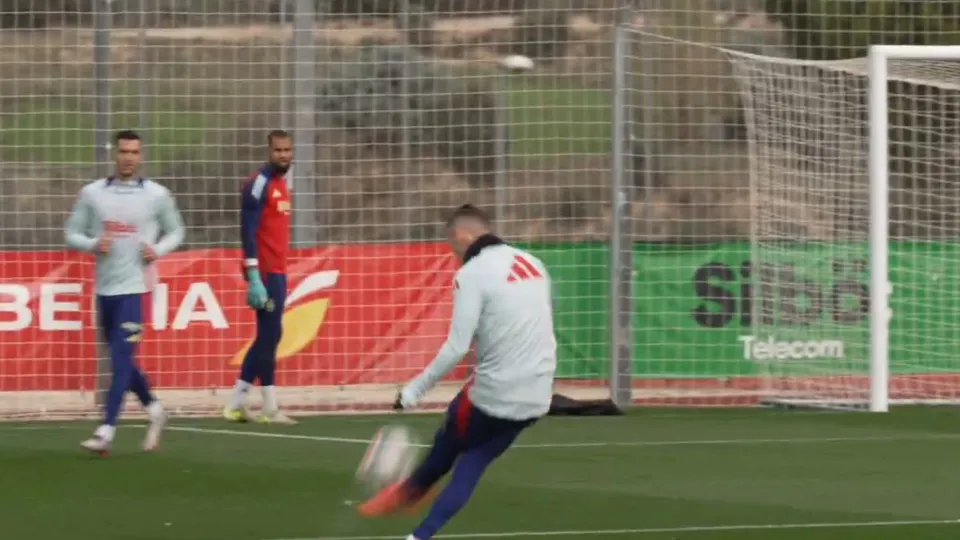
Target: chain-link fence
[(605, 151)]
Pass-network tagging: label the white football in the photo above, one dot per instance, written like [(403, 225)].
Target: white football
[(390, 457), (517, 62)]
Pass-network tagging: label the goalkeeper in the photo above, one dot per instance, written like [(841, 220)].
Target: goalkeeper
[(118, 219), (265, 234), (502, 300)]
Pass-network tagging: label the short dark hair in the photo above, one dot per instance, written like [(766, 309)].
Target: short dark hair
[(468, 211), (278, 134), (126, 135)]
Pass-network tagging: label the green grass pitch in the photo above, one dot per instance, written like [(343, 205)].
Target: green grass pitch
[(655, 474)]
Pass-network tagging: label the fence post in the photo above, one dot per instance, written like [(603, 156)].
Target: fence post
[(307, 211), (102, 23), (621, 238), (403, 22), (501, 98), (143, 86), (285, 75)]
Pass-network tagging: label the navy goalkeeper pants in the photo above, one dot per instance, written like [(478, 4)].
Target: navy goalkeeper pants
[(121, 322), (260, 361), (468, 442)]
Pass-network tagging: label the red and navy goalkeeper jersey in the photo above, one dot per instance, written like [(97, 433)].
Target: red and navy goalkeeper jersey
[(265, 221)]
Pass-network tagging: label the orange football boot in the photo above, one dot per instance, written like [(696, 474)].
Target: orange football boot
[(417, 504), (387, 501), (395, 498)]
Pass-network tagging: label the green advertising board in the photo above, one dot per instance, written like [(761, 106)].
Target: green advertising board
[(696, 314)]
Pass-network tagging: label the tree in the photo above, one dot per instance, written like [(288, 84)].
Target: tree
[(838, 29)]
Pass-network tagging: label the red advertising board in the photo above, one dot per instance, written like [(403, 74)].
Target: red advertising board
[(355, 315)]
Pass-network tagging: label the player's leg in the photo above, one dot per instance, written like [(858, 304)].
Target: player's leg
[(498, 435), (121, 365), (121, 318), (447, 445), (103, 436), (270, 330), (130, 312), (435, 465), (236, 410), (140, 386)]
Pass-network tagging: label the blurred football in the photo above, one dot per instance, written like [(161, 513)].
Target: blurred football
[(517, 62)]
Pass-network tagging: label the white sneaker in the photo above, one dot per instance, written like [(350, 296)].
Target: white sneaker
[(275, 417), (240, 415), (96, 445), (154, 430)]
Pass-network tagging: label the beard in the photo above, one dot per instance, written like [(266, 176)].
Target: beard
[(282, 169)]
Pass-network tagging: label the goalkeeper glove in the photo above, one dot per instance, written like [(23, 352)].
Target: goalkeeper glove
[(398, 403), (256, 293), (404, 400)]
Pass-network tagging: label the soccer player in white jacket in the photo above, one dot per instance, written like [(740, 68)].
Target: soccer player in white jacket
[(502, 302), (119, 219)]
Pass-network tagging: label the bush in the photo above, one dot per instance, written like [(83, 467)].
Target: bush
[(389, 96), (437, 7), (29, 14), (836, 29), (419, 27), (542, 34)]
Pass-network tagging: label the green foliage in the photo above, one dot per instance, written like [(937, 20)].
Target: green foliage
[(418, 27), (390, 97), (541, 34), (164, 13), (438, 7), (159, 13), (26, 14), (836, 29)]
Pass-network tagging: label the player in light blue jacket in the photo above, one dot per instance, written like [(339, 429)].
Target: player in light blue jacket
[(119, 220), (502, 303)]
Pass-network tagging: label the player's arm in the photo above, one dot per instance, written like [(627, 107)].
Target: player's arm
[(251, 208), (79, 224), (171, 223), (467, 306)]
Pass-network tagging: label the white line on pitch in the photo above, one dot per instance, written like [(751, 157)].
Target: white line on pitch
[(665, 530), (267, 435), (45, 427), (584, 444), (599, 444), (720, 442)]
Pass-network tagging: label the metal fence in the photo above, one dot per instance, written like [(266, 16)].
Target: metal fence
[(402, 110)]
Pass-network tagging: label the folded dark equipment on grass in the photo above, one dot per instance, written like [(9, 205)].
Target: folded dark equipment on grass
[(564, 406)]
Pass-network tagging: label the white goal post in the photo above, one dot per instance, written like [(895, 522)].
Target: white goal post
[(853, 167)]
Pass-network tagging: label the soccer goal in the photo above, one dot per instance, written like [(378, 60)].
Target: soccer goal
[(855, 229)]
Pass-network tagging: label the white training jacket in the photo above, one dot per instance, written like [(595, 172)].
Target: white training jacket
[(502, 302)]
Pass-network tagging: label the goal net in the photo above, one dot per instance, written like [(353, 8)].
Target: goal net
[(811, 237), (752, 218), (397, 116)]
